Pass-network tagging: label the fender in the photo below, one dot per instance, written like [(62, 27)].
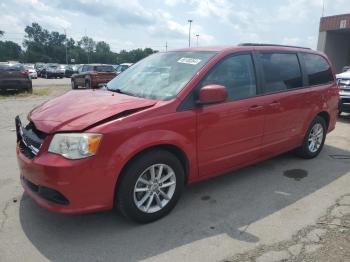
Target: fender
[(143, 141)]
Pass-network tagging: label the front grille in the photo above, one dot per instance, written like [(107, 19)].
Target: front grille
[(29, 139)]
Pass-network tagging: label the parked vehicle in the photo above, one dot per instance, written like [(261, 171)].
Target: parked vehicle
[(93, 76), (344, 85), (71, 70), (205, 112), (115, 67), (39, 67), (31, 71), (14, 77), (346, 68), (52, 70), (122, 67)]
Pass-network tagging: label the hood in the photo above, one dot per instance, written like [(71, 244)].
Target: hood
[(344, 75), (79, 109)]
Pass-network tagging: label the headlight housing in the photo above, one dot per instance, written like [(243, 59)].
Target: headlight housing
[(75, 145)]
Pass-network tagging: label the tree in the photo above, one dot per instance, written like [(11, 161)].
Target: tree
[(45, 46), (88, 44), (2, 33), (9, 51)]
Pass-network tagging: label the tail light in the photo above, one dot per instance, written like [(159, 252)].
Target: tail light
[(24, 72)]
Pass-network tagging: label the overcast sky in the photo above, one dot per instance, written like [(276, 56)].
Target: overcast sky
[(132, 24)]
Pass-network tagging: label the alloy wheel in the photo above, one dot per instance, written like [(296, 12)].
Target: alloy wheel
[(315, 137), (154, 188)]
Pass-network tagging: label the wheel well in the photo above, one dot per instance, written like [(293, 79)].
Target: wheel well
[(177, 152), (325, 116)]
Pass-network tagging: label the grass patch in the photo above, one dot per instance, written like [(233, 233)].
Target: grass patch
[(37, 92)]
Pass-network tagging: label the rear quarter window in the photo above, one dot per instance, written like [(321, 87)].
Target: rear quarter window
[(317, 69), (281, 71)]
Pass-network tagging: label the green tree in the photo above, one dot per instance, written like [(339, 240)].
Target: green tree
[(88, 44), (9, 51), (2, 33)]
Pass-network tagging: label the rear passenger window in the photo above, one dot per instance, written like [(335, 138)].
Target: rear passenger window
[(237, 74), (281, 72), (318, 70)]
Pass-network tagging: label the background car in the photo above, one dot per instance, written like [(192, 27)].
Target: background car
[(122, 67), (31, 71), (344, 86), (14, 77), (93, 76), (346, 68), (52, 70), (70, 70)]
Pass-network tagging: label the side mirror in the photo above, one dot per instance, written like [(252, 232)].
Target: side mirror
[(212, 94)]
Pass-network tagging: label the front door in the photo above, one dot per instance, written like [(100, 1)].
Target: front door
[(230, 134)]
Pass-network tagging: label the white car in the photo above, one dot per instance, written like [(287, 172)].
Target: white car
[(344, 86), (31, 71)]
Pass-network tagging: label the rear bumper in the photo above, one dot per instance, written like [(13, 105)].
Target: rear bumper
[(55, 74), (15, 85)]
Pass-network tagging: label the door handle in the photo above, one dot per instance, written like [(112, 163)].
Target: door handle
[(256, 108), (275, 104)]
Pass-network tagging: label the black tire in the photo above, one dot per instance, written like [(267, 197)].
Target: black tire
[(74, 86), (30, 89), (87, 84), (304, 151), (125, 189)]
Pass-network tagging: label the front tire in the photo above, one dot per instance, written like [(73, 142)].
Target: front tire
[(314, 139), (150, 186)]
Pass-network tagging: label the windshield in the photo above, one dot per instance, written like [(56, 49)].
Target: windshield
[(11, 67), (160, 76), (104, 69)]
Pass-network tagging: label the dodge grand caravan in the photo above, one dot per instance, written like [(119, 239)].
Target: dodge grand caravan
[(172, 119)]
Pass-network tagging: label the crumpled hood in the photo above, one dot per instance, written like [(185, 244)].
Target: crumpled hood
[(79, 109)]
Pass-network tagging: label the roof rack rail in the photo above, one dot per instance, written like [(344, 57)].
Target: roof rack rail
[(259, 44)]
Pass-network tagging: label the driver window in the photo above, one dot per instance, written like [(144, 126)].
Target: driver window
[(237, 74)]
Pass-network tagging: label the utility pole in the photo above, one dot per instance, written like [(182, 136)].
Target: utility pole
[(323, 7), (189, 33), (197, 35), (65, 34), (166, 46)]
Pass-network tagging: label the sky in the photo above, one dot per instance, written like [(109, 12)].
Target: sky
[(131, 24)]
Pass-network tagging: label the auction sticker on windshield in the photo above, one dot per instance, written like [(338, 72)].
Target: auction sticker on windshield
[(191, 61)]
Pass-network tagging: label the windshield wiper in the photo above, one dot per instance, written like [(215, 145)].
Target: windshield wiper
[(119, 91)]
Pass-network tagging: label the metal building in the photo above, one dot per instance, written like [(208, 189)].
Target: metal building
[(334, 40)]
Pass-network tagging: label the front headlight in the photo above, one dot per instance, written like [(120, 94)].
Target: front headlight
[(75, 145)]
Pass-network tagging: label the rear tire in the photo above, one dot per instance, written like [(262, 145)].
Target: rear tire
[(159, 195), (74, 86), (314, 139), (30, 89)]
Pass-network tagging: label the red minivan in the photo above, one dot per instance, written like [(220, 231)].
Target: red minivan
[(172, 119)]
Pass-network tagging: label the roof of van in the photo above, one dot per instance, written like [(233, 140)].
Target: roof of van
[(248, 47)]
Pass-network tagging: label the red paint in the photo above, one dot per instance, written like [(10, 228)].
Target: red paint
[(215, 139)]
